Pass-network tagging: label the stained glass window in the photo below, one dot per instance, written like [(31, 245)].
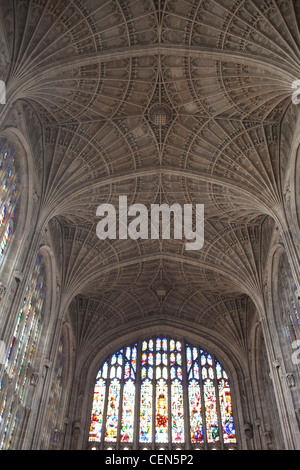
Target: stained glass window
[(162, 393), (288, 300), (9, 195), (22, 352)]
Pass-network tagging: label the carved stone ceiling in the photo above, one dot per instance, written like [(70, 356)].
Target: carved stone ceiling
[(95, 71)]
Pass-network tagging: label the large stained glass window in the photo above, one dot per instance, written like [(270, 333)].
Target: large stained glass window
[(22, 352), (162, 393), (9, 195)]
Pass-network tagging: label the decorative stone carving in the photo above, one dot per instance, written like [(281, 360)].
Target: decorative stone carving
[(268, 437), (277, 363), (18, 276), (47, 366), (160, 114), (3, 290), (290, 379), (258, 422), (57, 435), (76, 429), (34, 379), (47, 363), (248, 429), (35, 197)]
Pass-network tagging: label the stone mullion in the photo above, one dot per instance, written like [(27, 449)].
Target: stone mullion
[(108, 381), (169, 385), (185, 393), (138, 383), (203, 412), (122, 383), (215, 381), (154, 394)]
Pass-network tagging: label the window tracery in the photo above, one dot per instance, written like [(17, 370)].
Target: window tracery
[(162, 393)]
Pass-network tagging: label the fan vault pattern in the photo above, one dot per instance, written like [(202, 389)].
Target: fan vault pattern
[(163, 101)]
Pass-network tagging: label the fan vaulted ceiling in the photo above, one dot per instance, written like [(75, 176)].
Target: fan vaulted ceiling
[(97, 73)]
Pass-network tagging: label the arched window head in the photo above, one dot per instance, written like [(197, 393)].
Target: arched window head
[(162, 393), (9, 195)]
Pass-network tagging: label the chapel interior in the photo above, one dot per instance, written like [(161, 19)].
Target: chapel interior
[(138, 343)]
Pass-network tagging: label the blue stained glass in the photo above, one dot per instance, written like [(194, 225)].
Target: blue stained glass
[(114, 359), (195, 354), (143, 372)]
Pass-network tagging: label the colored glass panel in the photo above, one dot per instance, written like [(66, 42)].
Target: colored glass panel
[(97, 412), (210, 403), (24, 343), (177, 412), (128, 411), (226, 412), (112, 411), (196, 421), (27, 330), (146, 411), (161, 419)]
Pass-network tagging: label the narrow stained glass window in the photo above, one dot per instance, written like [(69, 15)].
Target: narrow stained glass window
[(112, 411), (161, 422), (225, 405), (9, 195), (98, 404), (139, 398), (128, 406)]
